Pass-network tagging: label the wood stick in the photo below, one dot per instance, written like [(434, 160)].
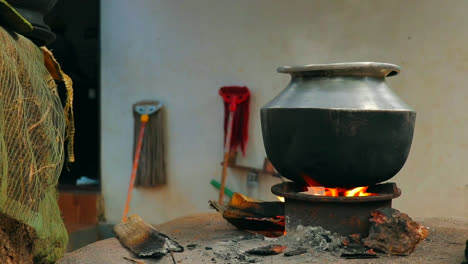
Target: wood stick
[(134, 260), (227, 151), (172, 256), (134, 171)]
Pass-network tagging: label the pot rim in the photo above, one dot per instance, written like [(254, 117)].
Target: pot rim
[(373, 69)]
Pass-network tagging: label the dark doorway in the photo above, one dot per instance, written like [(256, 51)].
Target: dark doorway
[(76, 24)]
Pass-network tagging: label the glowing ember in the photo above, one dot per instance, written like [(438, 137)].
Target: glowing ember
[(315, 189), (335, 192)]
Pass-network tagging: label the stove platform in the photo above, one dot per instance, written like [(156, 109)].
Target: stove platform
[(445, 244)]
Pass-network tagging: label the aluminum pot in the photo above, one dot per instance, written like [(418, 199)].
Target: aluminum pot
[(34, 11), (338, 124)]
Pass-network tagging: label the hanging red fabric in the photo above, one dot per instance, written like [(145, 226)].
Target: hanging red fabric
[(236, 99)]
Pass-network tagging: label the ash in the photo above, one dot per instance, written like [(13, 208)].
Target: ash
[(313, 237), (233, 251)]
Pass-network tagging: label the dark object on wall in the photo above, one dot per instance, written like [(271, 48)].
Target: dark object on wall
[(236, 120), (338, 124), (151, 168), (237, 100), (393, 232), (34, 11)]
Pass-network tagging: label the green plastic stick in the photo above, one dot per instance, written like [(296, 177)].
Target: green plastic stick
[(217, 185)]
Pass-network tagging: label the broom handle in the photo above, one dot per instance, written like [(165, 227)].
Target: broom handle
[(227, 151), (136, 159)]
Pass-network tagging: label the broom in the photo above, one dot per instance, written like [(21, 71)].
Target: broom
[(151, 170), (236, 119), (152, 158)]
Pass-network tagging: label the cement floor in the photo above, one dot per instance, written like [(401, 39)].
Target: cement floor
[(444, 245)]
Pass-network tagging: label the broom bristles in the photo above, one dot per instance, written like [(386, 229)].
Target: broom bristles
[(151, 169)]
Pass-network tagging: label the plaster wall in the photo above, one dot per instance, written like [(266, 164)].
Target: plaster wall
[(181, 52)]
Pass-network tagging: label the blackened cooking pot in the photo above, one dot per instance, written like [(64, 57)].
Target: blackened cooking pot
[(34, 11), (339, 124)]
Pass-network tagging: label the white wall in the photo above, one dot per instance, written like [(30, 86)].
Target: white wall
[(181, 52)]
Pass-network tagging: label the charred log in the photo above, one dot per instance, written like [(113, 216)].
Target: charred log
[(393, 232), (252, 215)]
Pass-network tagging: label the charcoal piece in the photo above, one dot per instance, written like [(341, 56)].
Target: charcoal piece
[(358, 255), (192, 246), (267, 250), (295, 252), (241, 257), (327, 238), (345, 242), (143, 239), (393, 232), (355, 246), (356, 238)]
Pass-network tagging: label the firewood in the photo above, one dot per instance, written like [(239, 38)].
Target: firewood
[(244, 220), (393, 232), (257, 207)]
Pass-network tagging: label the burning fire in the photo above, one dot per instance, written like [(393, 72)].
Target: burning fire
[(315, 189), (335, 192)]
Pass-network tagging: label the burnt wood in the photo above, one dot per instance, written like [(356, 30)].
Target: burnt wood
[(393, 232)]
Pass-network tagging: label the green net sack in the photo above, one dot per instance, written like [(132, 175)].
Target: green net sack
[(32, 133)]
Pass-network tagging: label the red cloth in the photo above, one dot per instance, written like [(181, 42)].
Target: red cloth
[(237, 99)]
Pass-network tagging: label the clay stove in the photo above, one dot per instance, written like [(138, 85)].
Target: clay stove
[(337, 127), (344, 215)]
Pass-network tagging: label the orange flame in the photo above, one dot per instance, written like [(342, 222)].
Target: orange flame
[(280, 198), (315, 189), (336, 192), (359, 191)]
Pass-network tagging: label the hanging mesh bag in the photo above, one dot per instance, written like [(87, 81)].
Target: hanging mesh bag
[(33, 128)]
